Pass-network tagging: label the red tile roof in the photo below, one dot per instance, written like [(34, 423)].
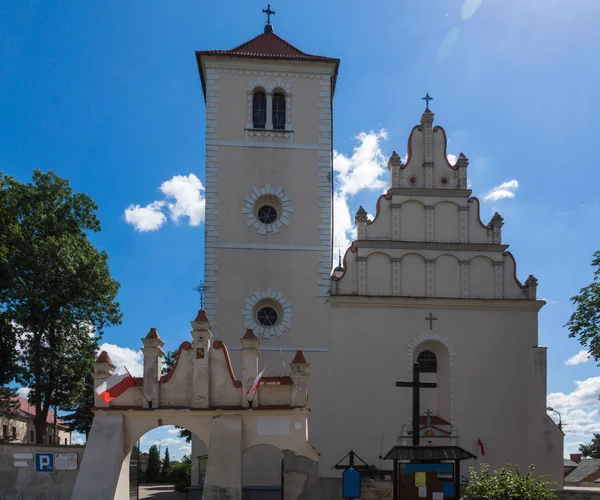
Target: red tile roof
[(104, 358), (299, 357), (26, 410), (202, 316), (153, 334), (249, 334)]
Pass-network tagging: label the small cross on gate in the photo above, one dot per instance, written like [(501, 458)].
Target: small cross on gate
[(416, 386), (431, 318), (427, 98), (428, 412), (202, 289), (269, 13)]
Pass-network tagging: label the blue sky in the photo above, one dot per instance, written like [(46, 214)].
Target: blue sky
[(107, 94)]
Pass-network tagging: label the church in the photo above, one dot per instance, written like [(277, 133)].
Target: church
[(426, 281)]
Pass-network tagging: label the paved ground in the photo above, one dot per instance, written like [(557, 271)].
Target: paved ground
[(160, 492)]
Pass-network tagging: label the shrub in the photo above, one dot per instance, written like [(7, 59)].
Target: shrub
[(507, 484)]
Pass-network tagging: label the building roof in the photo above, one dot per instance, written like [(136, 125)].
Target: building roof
[(569, 463), (428, 453), (267, 46), (586, 467), (27, 411)]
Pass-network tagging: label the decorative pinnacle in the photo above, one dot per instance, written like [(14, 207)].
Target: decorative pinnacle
[(394, 160), (497, 217), (299, 358), (361, 215), (104, 358), (153, 334)]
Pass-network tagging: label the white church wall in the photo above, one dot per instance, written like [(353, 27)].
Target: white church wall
[(447, 276), (171, 393), (379, 274), (412, 275), (478, 233), (222, 382), (380, 227), (446, 222), (412, 227), (481, 278), (512, 288), (275, 395)]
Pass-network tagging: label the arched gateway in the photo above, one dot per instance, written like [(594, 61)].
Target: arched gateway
[(202, 394)]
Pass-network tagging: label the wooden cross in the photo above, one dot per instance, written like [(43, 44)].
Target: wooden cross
[(431, 318), (270, 13), (427, 98), (416, 386)]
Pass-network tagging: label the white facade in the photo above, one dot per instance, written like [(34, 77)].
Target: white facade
[(427, 254)]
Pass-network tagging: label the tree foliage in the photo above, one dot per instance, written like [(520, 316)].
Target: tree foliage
[(82, 417), (8, 401), (56, 292), (166, 465), (584, 323), (507, 484), (591, 450), (153, 470)]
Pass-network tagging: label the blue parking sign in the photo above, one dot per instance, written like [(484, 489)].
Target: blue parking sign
[(44, 462)]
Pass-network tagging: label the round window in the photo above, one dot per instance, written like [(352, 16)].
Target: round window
[(267, 214), (412, 180), (444, 180), (267, 316)]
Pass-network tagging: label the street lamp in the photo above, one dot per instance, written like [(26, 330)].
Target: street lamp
[(549, 408)]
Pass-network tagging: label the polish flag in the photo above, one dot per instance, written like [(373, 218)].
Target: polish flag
[(480, 445), (115, 385), (256, 382)]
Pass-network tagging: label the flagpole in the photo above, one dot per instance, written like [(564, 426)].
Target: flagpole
[(149, 403)]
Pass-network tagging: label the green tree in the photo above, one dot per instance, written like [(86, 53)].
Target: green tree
[(8, 405), (82, 417), (153, 470), (584, 323), (507, 484), (166, 465), (591, 450), (56, 292)]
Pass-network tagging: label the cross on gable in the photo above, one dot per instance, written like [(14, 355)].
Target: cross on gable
[(427, 98), (202, 289), (431, 318), (416, 386), (269, 13)]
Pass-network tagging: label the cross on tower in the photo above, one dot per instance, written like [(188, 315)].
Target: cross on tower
[(202, 289), (431, 318), (269, 13), (416, 386), (427, 98)]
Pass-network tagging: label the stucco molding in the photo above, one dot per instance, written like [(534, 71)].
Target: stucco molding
[(249, 313), (431, 192), (276, 74), (430, 245), (283, 217)]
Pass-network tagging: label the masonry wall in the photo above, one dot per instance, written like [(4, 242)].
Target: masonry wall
[(25, 482), (23, 428)]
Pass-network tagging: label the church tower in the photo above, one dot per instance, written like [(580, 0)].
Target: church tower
[(268, 239)]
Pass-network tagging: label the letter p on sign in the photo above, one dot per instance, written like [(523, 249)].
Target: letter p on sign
[(44, 462)]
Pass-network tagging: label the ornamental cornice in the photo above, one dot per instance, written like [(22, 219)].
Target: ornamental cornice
[(430, 245), (428, 303), (274, 73), (280, 135), (431, 192)]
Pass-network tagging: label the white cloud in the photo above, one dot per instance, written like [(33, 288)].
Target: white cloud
[(581, 357), (174, 430), (23, 392), (148, 218), (452, 159), (365, 170), (504, 190), (77, 438), (579, 409), (189, 201), (184, 198), (123, 356)]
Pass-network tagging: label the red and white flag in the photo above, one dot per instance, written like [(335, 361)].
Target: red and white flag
[(256, 382), (480, 445), (115, 385)]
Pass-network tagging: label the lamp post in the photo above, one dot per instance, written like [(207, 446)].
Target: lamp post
[(549, 408)]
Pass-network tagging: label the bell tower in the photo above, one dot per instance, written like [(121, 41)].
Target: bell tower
[(269, 180)]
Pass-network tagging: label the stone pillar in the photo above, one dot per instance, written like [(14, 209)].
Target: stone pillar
[(531, 287), (497, 223), (396, 221), (464, 224), (224, 466), (153, 353), (250, 345), (102, 461), (360, 219), (429, 216), (498, 280), (299, 377), (201, 340), (394, 167), (464, 279), (462, 164), (269, 124), (103, 368), (430, 263), (396, 277)]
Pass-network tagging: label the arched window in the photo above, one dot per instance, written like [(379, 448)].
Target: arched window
[(259, 109), (427, 362), (278, 111)]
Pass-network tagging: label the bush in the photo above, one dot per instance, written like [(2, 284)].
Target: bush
[(508, 484)]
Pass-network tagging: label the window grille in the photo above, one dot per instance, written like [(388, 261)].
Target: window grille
[(259, 109), (278, 111), (427, 362)]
